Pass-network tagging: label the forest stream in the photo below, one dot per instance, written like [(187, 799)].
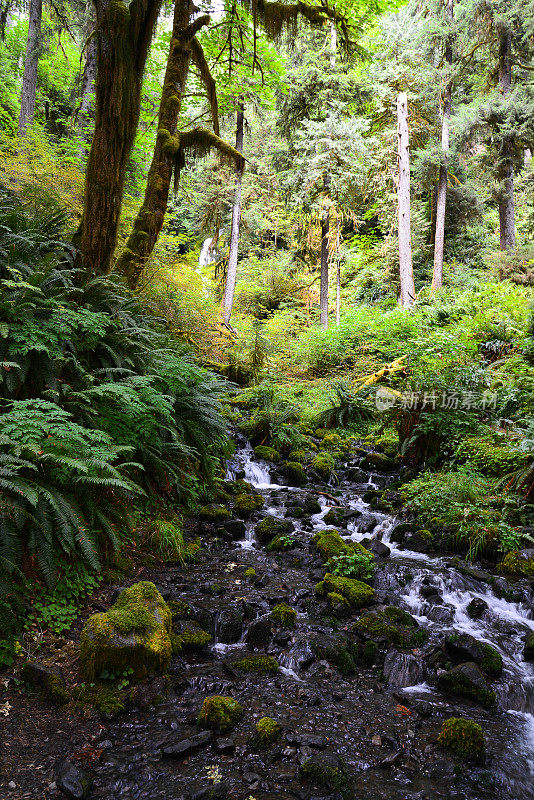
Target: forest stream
[(380, 722)]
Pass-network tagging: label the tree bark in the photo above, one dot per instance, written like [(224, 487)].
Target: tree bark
[(29, 81), (149, 221), (506, 168), (441, 200), (123, 37), (86, 111), (5, 9), (407, 287), (325, 230), (338, 273), (231, 275)]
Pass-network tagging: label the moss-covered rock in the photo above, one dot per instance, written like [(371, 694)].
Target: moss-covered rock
[(49, 681), (246, 504), (300, 456), (334, 516), (133, 634), (267, 454), (462, 646), (463, 738), (284, 615), (325, 770), (214, 513), (528, 650), (219, 713), (180, 610), (267, 731), (250, 574), (338, 605), (294, 473), (270, 526), (324, 464), (466, 680), (190, 637), (330, 544), (518, 562), (332, 441), (358, 594), (378, 462), (281, 543), (379, 628), (263, 665)]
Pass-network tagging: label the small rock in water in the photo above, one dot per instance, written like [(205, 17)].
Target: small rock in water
[(71, 781), (403, 669), (477, 607), (184, 747)]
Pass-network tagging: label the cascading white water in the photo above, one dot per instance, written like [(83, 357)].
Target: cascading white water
[(207, 256)]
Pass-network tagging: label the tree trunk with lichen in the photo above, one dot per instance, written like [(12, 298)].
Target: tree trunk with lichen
[(407, 288), (441, 201), (325, 247), (85, 113), (149, 220), (506, 167), (231, 275), (123, 37), (29, 80)]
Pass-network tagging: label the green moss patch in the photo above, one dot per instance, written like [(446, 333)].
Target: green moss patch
[(464, 738), (267, 731), (324, 464), (219, 713), (358, 594), (263, 665), (246, 504), (284, 615), (267, 454), (214, 513), (270, 527)]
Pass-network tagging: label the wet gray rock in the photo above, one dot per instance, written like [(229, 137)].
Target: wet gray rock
[(464, 647), (185, 747), (224, 746), (466, 680), (367, 523), (234, 530), (403, 669), (379, 549), (477, 607), (259, 633), (229, 625), (70, 780), (442, 614), (528, 650)]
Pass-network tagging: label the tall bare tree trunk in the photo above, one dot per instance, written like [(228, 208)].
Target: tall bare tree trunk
[(5, 11), (231, 275), (325, 240), (338, 272), (85, 111), (506, 168), (123, 37), (29, 81), (441, 201), (407, 287), (149, 221)]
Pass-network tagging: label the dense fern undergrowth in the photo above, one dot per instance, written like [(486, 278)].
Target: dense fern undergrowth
[(100, 409)]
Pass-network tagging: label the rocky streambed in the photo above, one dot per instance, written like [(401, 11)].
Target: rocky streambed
[(360, 688)]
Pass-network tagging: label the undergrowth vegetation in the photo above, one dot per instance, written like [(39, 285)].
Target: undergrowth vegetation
[(100, 408)]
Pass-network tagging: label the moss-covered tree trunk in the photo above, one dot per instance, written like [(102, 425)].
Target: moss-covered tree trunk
[(124, 33), (149, 220)]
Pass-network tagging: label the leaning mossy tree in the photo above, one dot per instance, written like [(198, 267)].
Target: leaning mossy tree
[(172, 146)]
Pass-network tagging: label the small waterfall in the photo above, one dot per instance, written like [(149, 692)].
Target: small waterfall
[(207, 256)]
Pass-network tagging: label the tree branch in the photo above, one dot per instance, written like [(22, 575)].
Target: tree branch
[(208, 80)]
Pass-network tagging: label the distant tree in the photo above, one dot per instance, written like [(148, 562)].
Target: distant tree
[(407, 287), (29, 80)]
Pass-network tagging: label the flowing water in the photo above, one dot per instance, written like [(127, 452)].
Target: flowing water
[(385, 734)]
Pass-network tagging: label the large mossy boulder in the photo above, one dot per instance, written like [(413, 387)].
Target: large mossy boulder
[(246, 504), (214, 513), (463, 646), (219, 713), (270, 526), (466, 680), (267, 454), (518, 562), (324, 464), (356, 593), (294, 473), (134, 634)]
